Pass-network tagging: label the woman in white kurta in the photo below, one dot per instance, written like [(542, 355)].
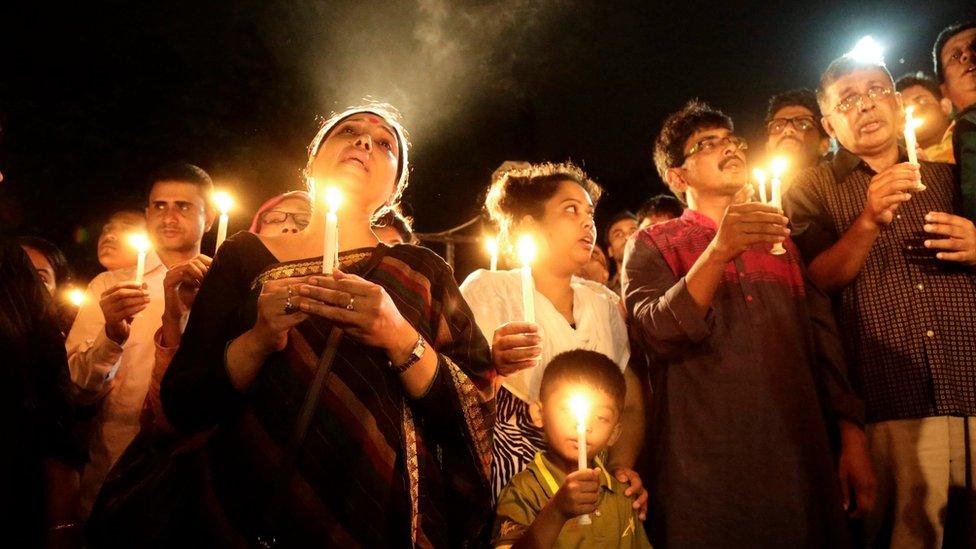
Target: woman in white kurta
[(553, 203)]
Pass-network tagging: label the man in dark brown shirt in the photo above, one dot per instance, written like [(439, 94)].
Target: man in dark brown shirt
[(746, 363), (880, 233)]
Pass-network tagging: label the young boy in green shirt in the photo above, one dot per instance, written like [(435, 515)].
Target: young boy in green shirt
[(540, 505)]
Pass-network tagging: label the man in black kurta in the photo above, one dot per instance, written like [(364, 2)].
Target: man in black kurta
[(746, 365)]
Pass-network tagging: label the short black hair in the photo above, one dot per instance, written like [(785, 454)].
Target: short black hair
[(589, 368), (661, 204), (399, 222), (919, 78), (669, 148), (841, 67), (617, 217), (54, 256), (800, 97), (944, 37), (184, 173)]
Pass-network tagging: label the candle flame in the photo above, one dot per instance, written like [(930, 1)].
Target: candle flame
[(333, 198), (580, 406), (139, 241), (526, 250), (76, 297), (910, 120), (778, 166), (223, 201), (491, 245), (760, 175)]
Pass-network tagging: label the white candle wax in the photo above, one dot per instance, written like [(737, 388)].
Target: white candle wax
[(331, 243), (776, 197), (494, 260), (221, 230), (140, 266), (528, 294), (910, 142), (581, 408)]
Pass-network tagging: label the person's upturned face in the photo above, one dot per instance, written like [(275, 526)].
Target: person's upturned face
[(44, 269), (567, 227), (359, 157), (872, 125), (177, 216), (718, 167), (785, 136), (290, 216), (617, 236), (559, 423), (113, 250), (929, 111), (959, 69)]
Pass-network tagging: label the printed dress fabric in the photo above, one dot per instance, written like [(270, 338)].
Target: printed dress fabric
[(377, 468)]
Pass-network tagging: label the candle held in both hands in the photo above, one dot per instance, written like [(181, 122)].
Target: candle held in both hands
[(330, 254)]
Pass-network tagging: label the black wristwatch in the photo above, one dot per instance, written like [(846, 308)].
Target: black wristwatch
[(415, 355)]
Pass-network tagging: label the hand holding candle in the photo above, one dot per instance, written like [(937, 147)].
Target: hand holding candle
[(581, 409), (526, 253), (224, 202), (140, 242), (330, 254)]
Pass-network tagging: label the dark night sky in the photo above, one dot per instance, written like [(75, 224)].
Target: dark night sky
[(92, 100)]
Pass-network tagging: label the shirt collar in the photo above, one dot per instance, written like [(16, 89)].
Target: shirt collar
[(553, 477), (691, 216), (153, 261), (845, 162)]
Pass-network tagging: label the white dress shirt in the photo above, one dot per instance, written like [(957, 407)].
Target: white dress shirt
[(495, 297), (115, 377)]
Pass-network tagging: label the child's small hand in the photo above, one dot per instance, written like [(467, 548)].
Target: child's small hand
[(579, 494)]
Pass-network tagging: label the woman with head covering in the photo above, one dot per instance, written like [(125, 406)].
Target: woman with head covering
[(554, 203), (286, 213), (396, 452)]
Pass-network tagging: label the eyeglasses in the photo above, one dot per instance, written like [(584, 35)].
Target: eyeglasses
[(709, 144), (275, 217), (857, 99), (801, 123)]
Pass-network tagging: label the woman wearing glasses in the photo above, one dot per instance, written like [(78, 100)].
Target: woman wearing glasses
[(286, 213), (406, 395)]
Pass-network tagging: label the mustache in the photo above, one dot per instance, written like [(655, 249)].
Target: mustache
[(725, 162), (784, 138)]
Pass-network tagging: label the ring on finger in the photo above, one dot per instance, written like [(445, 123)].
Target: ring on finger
[(290, 307), (351, 305)]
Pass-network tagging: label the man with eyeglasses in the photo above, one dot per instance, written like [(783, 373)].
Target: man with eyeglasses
[(793, 130), (124, 327), (884, 236), (932, 110), (954, 55), (745, 362)]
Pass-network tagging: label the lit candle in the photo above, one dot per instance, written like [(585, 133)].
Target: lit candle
[(526, 253), (76, 297), (778, 166), (491, 244), (760, 176), (331, 253), (581, 409), (224, 203), (140, 242), (911, 143)]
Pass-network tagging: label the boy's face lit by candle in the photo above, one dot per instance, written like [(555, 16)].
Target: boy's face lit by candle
[(555, 416)]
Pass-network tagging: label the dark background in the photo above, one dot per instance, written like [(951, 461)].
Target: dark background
[(94, 97)]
